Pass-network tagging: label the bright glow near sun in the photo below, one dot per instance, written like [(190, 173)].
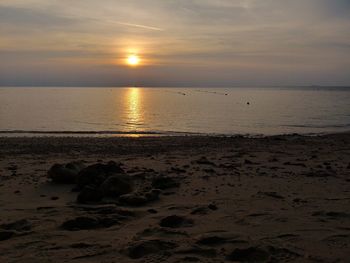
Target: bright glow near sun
[(133, 60)]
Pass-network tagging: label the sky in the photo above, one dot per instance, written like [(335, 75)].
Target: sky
[(180, 42)]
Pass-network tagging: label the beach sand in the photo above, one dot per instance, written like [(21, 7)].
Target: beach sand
[(272, 199)]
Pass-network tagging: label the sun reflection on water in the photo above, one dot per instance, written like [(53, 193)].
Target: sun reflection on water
[(134, 116)]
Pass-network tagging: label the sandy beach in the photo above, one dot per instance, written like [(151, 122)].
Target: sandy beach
[(182, 199)]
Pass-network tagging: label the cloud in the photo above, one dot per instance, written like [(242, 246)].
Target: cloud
[(253, 37), (18, 16)]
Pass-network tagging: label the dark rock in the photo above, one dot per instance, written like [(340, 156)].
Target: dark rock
[(81, 245), (215, 239), (86, 223), (272, 194), (299, 200), (5, 235), (332, 215), (96, 174), (65, 173), (175, 221), (116, 185), (104, 210), (126, 213), (20, 225), (209, 171), (205, 161), (144, 248), (319, 173), (40, 208), (178, 170), (107, 222), (295, 164), (202, 210), (190, 259), (213, 207), (108, 212), (80, 223), (162, 233), (168, 193), (89, 195), (90, 177), (211, 240), (281, 254), (338, 214), (196, 250), (163, 182), (133, 199), (13, 167), (251, 254)]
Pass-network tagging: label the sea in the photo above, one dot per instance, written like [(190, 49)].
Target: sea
[(134, 111)]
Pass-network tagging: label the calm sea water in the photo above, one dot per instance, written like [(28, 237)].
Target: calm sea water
[(171, 110)]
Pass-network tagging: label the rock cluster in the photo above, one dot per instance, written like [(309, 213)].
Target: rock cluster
[(109, 182)]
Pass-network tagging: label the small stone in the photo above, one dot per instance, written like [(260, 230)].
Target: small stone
[(212, 207), (5, 235)]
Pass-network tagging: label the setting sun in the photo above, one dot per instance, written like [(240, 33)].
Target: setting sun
[(133, 60)]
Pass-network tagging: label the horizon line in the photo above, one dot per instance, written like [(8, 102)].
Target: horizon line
[(174, 86)]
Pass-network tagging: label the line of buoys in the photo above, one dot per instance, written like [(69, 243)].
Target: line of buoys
[(212, 92)]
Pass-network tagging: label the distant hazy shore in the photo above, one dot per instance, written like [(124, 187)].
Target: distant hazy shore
[(282, 198)]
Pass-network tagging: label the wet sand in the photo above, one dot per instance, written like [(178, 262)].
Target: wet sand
[(273, 199)]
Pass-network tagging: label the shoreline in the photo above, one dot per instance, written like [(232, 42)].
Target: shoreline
[(131, 134), (279, 198), (36, 143)]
